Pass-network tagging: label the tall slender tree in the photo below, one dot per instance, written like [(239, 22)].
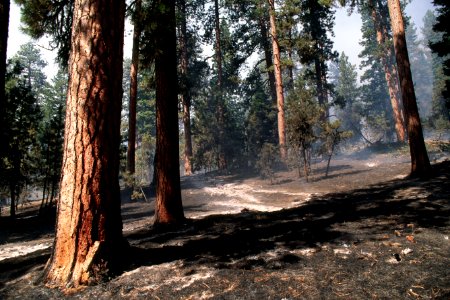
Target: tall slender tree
[(279, 81), (318, 20), (220, 109), (168, 207), (131, 150), (420, 164), (265, 44), (390, 71), (185, 93), (89, 239)]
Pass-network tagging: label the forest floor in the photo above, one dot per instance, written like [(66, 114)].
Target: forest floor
[(366, 231)]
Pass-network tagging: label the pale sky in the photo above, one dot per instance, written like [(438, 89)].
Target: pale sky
[(347, 33)]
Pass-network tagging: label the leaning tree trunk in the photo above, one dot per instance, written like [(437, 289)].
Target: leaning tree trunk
[(185, 95), (131, 150), (168, 207), (390, 75), (4, 24), (88, 241), (279, 82), (420, 164)]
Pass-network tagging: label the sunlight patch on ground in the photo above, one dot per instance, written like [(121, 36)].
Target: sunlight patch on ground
[(242, 197), (20, 249)]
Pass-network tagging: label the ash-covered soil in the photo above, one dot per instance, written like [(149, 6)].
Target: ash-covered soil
[(365, 231)]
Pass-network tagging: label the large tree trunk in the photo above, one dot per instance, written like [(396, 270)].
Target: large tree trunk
[(267, 55), (185, 95), (279, 82), (420, 164), (89, 239), (220, 110), (131, 150), (168, 207), (4, 25), (390, 75)]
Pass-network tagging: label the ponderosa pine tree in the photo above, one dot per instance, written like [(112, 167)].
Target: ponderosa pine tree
[(185, 93), (220, 109), (278, 82), (131, 150), (317, 19), (420, 164), (374, 107), (378, 14), (268, 55), (89, 241), (168, 206)]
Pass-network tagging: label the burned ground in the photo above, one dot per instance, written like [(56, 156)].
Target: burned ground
[(366, 231)]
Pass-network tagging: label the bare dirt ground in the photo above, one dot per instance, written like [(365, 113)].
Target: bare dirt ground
[(365, 231)]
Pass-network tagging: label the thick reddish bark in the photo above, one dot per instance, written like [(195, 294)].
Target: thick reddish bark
[(131, 150), (390, 74), (185, 95), (89, 238), (279, 82), (168, 207), (4, 25), (420, 164)]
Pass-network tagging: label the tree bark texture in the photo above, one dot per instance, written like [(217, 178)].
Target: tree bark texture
[(4, 25), (279, 82), (168, 207), (131, 150), (390, 74), (420, 164), (220, 110), (88, 239), (185, 95)]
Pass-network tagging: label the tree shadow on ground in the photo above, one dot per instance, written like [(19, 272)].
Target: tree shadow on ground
[(237, 241), (222, 240)]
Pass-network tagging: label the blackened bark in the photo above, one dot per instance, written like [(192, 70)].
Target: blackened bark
[(168, 207), (420, 164), (88, 241)]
